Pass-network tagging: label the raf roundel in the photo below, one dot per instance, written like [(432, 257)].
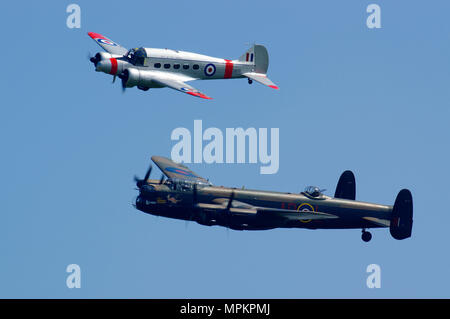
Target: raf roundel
[(210, 69), (180, 171), (305, 207), (108, 42)]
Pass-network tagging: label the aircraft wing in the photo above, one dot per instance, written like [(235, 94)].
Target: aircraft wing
[(263, 212), (177, 83), (107, 44), (176, 170), (291, 214), (261, 78)]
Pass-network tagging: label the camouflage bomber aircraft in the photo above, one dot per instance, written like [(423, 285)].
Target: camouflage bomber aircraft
[(187, 196)]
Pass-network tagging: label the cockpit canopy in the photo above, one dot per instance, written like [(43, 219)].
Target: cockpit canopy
[(184, 185), (313, 191), (138, 57)]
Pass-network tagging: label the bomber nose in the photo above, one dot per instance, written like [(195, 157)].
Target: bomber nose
[(103, 66)]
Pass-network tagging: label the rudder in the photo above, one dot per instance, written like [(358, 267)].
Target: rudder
[(402, 216), (346, 186), (257, 55)]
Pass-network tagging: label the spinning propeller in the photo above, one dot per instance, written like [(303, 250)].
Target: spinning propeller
[(124, 77), (142, 182)]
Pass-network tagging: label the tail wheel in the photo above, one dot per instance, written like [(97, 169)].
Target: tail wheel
[(366, 236)]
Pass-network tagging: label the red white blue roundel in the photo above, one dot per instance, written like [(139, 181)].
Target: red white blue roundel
[(180, 171), (108, 42), (210, 69)]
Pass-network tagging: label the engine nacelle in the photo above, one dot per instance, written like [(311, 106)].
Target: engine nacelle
[(108, 63), (103, 56), (135, 77)]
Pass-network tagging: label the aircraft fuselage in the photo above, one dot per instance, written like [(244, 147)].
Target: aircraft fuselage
[(164, 201)]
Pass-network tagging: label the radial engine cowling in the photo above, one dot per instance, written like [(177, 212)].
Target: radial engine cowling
[(135, 77)]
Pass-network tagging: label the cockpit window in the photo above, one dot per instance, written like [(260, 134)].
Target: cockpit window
[(138, 57), (313, 191), (184, 185)]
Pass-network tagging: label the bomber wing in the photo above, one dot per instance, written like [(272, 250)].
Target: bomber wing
[(291, 214), (175, 170), (107, 44), (238, 207)]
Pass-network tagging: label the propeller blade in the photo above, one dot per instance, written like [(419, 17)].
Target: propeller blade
[(141, 182), (124, 77), (227, 210), (194, 202), (230, 202), (194, 195), (147, 174)]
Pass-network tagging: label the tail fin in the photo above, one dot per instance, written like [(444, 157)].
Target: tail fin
[(346, 186), (402, 215), (257, 55)]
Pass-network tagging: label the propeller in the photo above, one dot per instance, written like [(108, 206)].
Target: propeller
[(227, 210), (194, 203), (124, 77), (194, 196), (142, 182), (94, 59)]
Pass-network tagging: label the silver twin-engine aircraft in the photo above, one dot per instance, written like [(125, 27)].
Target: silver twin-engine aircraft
[(156, 68)]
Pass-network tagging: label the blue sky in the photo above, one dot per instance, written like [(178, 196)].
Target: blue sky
[(374, 101)]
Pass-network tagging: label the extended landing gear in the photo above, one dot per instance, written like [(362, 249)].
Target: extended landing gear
[(250, 81), (366, 236)]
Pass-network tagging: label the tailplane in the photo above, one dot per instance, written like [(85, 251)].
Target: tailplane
[(258, 56)]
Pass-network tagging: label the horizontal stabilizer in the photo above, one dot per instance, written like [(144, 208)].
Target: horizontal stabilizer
[(261, 78), (378, 221)]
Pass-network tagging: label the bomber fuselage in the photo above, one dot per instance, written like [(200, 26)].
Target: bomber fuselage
[(178, 201)]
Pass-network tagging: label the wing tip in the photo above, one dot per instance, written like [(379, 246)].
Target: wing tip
[(274, 87), (94, 35), (201, 95)]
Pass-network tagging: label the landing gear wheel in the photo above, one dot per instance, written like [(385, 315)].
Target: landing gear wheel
[(366, 236), (250, 81)]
